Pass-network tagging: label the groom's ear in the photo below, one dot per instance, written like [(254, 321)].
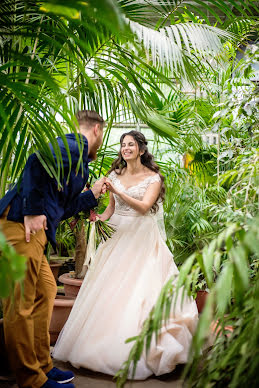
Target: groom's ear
[(97, 129)]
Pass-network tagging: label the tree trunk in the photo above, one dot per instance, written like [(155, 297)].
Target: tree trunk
[(80, 248)]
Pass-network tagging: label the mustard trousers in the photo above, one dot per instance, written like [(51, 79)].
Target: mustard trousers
[(27, 316)]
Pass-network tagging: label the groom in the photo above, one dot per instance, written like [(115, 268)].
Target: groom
[(29, 216)]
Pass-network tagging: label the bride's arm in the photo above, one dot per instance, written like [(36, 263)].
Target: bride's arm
[(108, 212), (147, 202)]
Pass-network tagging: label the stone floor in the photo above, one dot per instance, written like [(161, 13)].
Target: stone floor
[(88, 379)]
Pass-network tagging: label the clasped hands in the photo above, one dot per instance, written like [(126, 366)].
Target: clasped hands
[(101, 186), (35, 223)]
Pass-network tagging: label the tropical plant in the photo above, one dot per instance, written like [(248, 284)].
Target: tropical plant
[(65, 238), (12, 268), (57, 57), (201, 206), (234, 293), (227, 260), (189, 221)]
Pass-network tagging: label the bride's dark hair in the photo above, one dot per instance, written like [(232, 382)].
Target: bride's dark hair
[(147, 159)]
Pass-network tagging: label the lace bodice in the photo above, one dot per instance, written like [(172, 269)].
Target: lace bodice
[(136, 191)]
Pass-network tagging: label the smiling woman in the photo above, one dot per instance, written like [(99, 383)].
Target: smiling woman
[(131, 266), (129, 148), (57, 57), (135, 163)]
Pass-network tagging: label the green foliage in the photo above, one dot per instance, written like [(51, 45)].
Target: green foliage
[(12, 268), (213, 230), (57, 57), (237, 114), (188, 220), (234, 357), (65, 238), (46, 60), (205, 108), (224, 264)]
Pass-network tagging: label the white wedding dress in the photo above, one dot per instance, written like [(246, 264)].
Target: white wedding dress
[(117, 294)]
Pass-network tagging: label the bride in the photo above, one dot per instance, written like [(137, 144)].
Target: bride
[(129, 271)]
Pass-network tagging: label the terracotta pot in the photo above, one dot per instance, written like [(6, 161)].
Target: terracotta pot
[(62, 307), (71, 285), (201, 300), (216, 328), (55, 266)]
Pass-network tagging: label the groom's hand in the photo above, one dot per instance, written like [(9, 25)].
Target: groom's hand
[(99, 187), (33, 224)]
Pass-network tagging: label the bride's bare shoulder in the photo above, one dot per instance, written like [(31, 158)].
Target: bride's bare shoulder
[(117, 171), (149, 172)]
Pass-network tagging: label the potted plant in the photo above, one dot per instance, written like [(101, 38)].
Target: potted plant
[(202, 293), (84, 226), (73, 279), (65, 245), (64, 303), (58, 262)]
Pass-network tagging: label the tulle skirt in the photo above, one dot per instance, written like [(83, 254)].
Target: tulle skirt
[(115, 298)]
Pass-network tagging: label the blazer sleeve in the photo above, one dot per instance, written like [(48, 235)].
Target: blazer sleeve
[(34, 181), (84, 201)]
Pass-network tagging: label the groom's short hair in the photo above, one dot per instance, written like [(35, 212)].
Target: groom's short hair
[(89, 117)]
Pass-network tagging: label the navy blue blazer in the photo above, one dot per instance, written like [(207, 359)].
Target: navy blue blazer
[(38, 193)]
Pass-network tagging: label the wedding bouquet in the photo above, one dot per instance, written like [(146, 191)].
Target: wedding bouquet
[(103, 229), (99, 232)]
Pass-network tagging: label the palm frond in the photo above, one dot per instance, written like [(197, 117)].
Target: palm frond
[(171, 46), (162, 12)]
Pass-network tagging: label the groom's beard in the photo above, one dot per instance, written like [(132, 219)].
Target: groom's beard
[(93, 153)]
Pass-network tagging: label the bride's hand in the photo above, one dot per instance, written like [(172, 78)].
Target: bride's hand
[(101, 217), (95, 217), (111, 187)]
